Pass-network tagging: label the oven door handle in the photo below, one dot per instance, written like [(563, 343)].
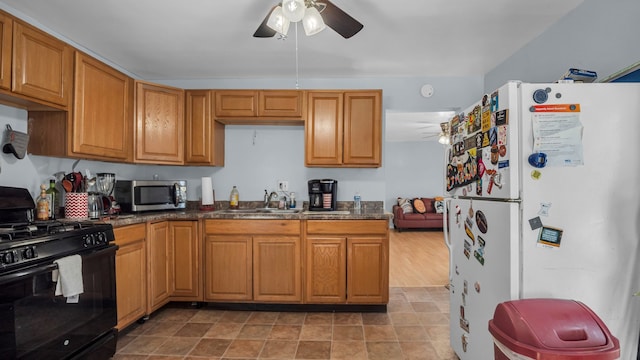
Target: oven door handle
[(24, 273), (41, 269)]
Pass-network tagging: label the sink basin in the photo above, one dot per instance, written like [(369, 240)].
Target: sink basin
[(260, 210), (279, 211)]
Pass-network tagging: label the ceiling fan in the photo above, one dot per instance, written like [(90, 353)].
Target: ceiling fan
[(315, 14)]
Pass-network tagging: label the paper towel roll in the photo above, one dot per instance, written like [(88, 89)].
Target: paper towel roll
[(207, 191)]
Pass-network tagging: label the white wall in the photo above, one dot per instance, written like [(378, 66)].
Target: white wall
[(597, 35), (414, 169)]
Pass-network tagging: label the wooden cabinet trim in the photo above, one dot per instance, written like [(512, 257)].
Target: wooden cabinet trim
[(258, 227), (351, 227)]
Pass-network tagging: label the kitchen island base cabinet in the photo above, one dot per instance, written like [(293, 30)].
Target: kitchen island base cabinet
[(359, 277), (131, 274)]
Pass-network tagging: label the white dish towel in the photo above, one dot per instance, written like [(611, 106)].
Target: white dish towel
[(69, 276)]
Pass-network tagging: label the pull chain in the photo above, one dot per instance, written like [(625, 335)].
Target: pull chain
[(297, 84)]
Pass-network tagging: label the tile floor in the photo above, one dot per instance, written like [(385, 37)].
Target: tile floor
[(415, 326)]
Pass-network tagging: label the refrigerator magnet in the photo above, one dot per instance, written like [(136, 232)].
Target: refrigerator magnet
[(494, 101), (535, 175), (544, 209), (549, 237), (535, 223), (481, 222)]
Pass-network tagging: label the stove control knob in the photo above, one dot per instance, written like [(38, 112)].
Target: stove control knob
[(29, 253), (88, 240), (8, 257), (101, 238)]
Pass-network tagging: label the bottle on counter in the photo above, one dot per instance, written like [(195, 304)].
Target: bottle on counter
[(357, 201), (53, 195), (42, 204), (234, 198), (292, 200)]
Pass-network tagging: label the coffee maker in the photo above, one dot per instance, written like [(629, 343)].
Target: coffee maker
[(323, 194)]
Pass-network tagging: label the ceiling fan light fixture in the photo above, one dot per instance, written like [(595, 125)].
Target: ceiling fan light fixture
[(312, 21), (278, 22), (293, 9), (444, 138)]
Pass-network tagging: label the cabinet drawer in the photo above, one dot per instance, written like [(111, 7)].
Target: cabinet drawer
[(347, 227), (129, 234), (254, 227)]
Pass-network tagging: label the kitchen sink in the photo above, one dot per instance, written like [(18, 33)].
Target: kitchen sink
[(260, 210)]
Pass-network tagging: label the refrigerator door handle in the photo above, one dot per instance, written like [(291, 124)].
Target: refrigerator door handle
[(447, 241)]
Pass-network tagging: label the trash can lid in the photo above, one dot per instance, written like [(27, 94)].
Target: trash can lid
[(555, 325)]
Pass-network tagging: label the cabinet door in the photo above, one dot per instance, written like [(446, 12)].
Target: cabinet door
[(367, 270), (6, 31), (159, 124), (236, 103), (284, 103), (276, 268), (131, 274), (102, 112), (323, 129), (204, 141), (326, 270), (42, 65), (362, 129), (228, 268), (186, 260), (159, 269)]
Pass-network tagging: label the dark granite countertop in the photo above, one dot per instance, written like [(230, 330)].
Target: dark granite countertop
[(371, 211)]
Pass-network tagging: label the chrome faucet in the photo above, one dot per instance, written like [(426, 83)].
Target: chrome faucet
[(268, 197)]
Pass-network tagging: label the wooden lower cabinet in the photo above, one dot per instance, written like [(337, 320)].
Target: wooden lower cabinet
[(131, 274), (228, 269), (367, 269), (326, 270), (159, 265), (276, 269), (347, 262), (253, 260), (186, 261)]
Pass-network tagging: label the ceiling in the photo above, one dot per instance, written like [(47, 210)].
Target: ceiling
[(208, 39)]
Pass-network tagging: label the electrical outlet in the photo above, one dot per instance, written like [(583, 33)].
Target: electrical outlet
[(283, 185)]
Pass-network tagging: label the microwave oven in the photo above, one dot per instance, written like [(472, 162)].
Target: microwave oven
[(148, 195)]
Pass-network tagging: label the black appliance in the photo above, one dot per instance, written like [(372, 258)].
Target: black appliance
[(323, 195), (34, 322)]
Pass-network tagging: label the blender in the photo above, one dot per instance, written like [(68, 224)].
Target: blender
[(105, 183)]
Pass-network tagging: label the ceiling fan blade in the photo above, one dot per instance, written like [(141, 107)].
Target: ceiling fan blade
[(339, 21), (263, 30)]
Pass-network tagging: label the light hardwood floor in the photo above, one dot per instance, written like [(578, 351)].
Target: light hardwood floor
[(417, 259)]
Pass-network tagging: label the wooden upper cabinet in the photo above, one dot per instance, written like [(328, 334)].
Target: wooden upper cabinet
[(263, 107), (204, 137), (275, 103), (344, 129), (362, 129), (103, 111), (42, 65), (324, 129), (159, 124), (236, 103), (6, 32)]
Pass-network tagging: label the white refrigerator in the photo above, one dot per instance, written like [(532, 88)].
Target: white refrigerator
[(543, 201)]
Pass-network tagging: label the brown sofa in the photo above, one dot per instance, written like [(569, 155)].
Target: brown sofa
[(413, 220)]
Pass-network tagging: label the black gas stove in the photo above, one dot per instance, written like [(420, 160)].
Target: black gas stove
[(37, 322), (24, 241)]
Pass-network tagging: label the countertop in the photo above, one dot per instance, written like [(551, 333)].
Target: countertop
[(130, 219)]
